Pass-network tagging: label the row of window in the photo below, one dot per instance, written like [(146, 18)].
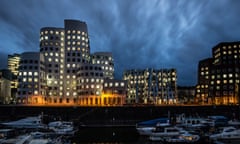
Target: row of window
[(52, 32), (49, 48), (91, 74)]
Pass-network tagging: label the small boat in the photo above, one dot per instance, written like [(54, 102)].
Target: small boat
[(146, 127), (227, 133)]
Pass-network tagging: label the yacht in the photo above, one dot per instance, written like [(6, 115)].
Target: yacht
[(146, 127), (227, 133), (28, 122), (162, 132)]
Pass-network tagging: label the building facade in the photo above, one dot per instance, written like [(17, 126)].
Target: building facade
[(69, 74), (224, 74), (151, 86), (13, 66), (31, 79), (5, 87), (204, 76)]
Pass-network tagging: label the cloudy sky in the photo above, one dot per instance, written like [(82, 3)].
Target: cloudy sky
[(140, 33)]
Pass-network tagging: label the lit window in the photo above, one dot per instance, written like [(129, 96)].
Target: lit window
[(35, 80), (29, 79), (68, 76), (49, 59), (92, 80), (57, 32), (110, 84), (56, 59), (67, 93), (46, 32), (92, 86), (36, 92), (46, 54), (30, 73), (68, 37), (51, 54), (24, 79), (122, 84), (73, 37), (73, 65), (46, 37)]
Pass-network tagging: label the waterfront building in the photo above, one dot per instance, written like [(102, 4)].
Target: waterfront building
[(224, 73), (31, 79), (5, 87), (69, 74), (105, 61), (13, 66), (151, 86), (204, 76), (52, 49)]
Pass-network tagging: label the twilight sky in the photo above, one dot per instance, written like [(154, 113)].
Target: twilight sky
[(140, 33)]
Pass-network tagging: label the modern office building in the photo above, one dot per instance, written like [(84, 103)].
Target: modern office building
[(224, 74), (69, 74), (105, 61), (13, 66), (31, 79), (204, 76), (151, 86)]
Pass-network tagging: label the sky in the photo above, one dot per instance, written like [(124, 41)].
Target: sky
[(140, 33)]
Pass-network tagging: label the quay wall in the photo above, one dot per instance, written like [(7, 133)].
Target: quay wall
[(125, 115)]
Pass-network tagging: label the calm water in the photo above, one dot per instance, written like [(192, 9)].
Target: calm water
[(117, 135), (108, 135)]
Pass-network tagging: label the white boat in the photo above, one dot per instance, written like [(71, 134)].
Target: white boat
[(62, 127), (29, 122), (146, 127), (165, 131), (227, 133)]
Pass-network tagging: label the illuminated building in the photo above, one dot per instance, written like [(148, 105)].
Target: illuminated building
[(105, 61), (223, 86), (71, 76), (5, 87), (202, 88), (53, 50), (31, 79), (13, 65), (151, 86)]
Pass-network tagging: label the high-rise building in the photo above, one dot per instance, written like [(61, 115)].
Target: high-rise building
[(204, 76), (224, 73), (71, 74), (13, 66), (151, 86), (31, 79)]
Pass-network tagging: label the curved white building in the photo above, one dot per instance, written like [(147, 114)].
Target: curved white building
[(31, 78)]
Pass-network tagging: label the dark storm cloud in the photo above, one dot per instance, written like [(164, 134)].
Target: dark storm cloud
[(140, 33)]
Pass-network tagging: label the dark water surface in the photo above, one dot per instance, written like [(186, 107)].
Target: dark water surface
[(117, 135)]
